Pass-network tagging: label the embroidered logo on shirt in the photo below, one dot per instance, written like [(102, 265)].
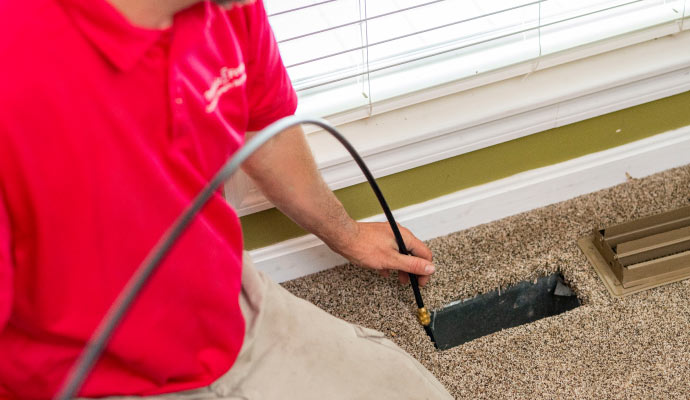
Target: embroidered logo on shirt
[(228, 79)]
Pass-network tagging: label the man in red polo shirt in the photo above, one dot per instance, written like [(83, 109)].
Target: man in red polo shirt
[(113, 115)]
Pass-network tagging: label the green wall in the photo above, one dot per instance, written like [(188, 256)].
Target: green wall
[(447, 176)]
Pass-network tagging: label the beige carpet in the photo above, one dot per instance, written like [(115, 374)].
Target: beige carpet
[(635, 347)]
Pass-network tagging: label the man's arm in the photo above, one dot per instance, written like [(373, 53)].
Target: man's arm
[(285, 171)]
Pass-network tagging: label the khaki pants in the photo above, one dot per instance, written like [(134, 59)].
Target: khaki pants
[(294, 350)]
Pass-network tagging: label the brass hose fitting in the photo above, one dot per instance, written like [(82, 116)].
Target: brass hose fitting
[(423, 316)]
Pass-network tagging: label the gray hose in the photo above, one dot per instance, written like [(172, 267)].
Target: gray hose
[(94, 348)]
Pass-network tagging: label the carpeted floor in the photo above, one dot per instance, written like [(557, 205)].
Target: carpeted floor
[(635, 347)]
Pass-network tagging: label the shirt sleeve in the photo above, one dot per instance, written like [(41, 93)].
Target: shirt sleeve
[(269, 90), (5, 267)]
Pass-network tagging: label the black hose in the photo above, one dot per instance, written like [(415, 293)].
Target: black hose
[(94, 348)]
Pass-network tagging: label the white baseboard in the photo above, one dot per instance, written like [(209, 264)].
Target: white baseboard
[(495, 200)]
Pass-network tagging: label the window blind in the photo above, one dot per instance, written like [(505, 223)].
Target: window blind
[(347, 54)]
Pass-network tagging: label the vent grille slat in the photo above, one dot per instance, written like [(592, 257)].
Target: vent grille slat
[(641, 254), (653, 247)]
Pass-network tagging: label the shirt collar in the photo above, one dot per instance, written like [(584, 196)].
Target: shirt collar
[(122, 43)]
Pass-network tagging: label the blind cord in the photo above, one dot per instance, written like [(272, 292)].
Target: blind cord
[(96, 344)]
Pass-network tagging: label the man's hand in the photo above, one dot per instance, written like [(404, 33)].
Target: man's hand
[(285, 171), (373, 246)]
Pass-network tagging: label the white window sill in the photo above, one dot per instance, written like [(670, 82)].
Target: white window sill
[(491, 108)]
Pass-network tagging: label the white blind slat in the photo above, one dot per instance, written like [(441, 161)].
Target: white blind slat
[(344, 54)]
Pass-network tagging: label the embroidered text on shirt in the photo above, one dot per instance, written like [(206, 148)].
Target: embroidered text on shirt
[(228, 79)]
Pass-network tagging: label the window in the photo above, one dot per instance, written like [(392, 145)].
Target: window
[(345, 55)]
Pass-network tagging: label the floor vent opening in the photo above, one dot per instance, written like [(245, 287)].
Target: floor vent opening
[(525, 302), (641, 254)]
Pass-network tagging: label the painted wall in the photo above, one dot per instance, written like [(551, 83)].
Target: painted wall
[(486, 165)]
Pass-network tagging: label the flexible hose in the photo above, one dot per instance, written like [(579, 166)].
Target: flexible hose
[(96, 344)]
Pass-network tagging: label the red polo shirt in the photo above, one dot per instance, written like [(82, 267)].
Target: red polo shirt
[(107, 131)]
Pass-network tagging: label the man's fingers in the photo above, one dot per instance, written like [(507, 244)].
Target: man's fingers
[(413, 264), (377, 250), (424, 279), (414, 245), (404, 278)]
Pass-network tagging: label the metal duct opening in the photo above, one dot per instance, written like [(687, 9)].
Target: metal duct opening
[(525, 302)]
